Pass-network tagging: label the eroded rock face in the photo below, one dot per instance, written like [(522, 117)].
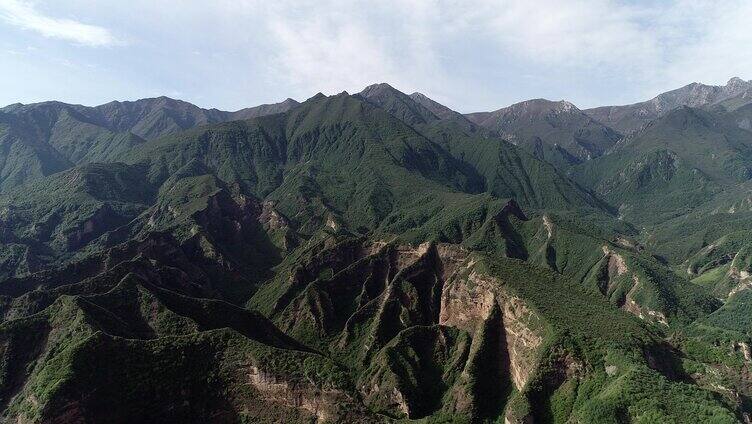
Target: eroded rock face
[(271, 218), (616, 264), (318, 402), (468, 301), (744, 349), (642, 312), (416, 312), (618, 275), (739, 271), (509, 419)]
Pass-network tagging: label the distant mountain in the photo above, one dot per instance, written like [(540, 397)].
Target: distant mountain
[(277, 148), (415, 109), (263, 110), (671, 165), (506, 170), (398, 104), (557, 132), (43, 138), (151, 118), (441, 111), (738, 109), (632, 117), (736, 102)]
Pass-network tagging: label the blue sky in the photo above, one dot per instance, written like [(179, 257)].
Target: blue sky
[(469, 55)]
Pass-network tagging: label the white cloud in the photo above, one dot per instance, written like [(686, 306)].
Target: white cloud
[(329, 58), (580, 32), (24, 15), (469, 54), (718, 46), (332, 45), (655, 46)]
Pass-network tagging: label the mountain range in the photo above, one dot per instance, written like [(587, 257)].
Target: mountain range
[(632, 117), (378, 257)]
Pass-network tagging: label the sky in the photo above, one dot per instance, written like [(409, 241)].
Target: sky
[(469, 55)]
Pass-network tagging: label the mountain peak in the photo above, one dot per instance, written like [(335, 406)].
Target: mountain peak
[(378, 86), (317, 96), (542, 106), (151, 101), (737, 84), (11, 106), (556, 131), (735, 80), (379, 90), (397, 103)]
